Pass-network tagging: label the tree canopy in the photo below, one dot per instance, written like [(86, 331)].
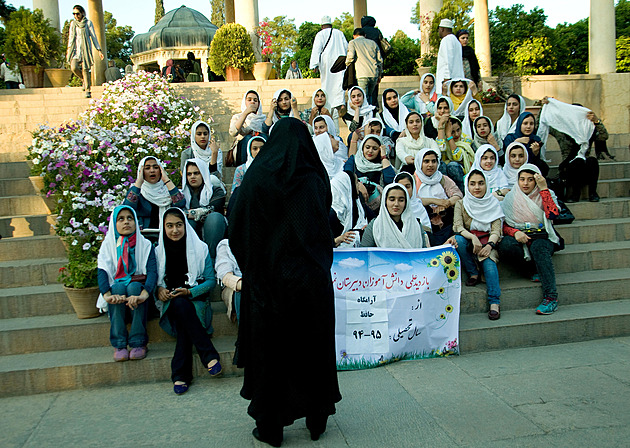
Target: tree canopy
[(218, 13)]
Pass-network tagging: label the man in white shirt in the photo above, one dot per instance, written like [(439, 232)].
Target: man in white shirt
[(329, 44), (449, 59), (10, 74)]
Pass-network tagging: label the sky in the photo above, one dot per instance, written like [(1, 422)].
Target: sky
[(390, 15)]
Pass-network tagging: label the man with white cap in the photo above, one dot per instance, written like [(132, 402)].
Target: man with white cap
[(329, 44), (449, 59)]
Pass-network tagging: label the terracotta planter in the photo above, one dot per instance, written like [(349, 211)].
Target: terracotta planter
[(262, 70), (494, 111), (83, 301), (58, 77), (423, 70), (33, 76), (233, 74)]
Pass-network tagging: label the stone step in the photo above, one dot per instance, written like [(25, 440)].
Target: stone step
[(91, 367), (67, 332), (595, 231), (28, 301), (594, 256), (24, 273), (22, 205), (610, 188), (14, 170), (621, 154), (15, 156), (607, 208), (44, 246), (26, 225), (518, 293), (524, 328), (16, 187)]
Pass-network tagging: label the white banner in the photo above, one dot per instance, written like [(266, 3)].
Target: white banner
[(395, 304)]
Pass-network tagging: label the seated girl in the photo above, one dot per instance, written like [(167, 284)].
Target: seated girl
[(461, 92), (246, 124), (127, 274), (525, 133), (332, 164), (205, 147), (438, 193), (528, 232), (231, 278), (412, 141), (434, 126), (373, 126), (422, 100), (514, 107), (152, 193), (415, 203), (477, 226), (486, 160), (394, 114), (283, 104), (324, 123), (371, 161), (395, 226), (185, 279), (515, 158), (458, 149), (347, 214), (204, 204), (474, 110), (358, 110), (319, 106), (483, 134), (253, 148)]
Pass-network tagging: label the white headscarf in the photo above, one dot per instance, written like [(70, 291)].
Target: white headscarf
[(422, 83), (341, 188), (483, 211), (505, 125), (508, 170), (276, 95), (385, 230), (253, 121), (434, 119), (362, 163), (250, 158), (156, 193), (366, 108), (412, 144), (198, 151), (466, 123), (415, 203), (376, 120), (477, 139), (430, 187), (206, 193), (332, 130), (495, 179), (521, 208), (324, 147), (467, 96), (390, 121), (196, 253), (326, 105)]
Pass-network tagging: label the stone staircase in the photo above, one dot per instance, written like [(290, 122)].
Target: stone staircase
[(45, 348)]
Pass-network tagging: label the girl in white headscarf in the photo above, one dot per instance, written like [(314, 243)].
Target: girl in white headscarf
[(376, 127), (254, 145), (347, 218), (395, 226), (514, 106), (324, 123), (415, 203), (319, 105), (332, 164), (283, 104), (246, 124), (371, 161), (461, 92), (530, 207), (414, 140), (394, 114), (515, 158), (127, 274), (436, 126), (152, 193), (422, 100), (477, 226), (473, 111), (487, 160), (203, 146), (358, 109), (483, 134), (185, 279)]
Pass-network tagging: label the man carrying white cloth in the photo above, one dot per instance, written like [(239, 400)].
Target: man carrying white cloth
[(329, 44)]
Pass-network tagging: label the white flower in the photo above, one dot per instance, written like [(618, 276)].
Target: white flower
[(75, 242), (86, 246)]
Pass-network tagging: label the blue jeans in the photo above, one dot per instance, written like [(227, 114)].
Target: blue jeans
[(455, 171), (118, 336), (368, 85), (237, 305), (212, 230), (464, 249)]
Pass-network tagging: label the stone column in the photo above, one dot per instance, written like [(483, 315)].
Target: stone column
[(360, 10), (428, 10), (246, 13), (482, 37), (229, 11), (95, 14), (50, 8), (601, 37)]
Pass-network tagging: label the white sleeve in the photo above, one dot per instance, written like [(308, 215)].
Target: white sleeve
[(315, 53)]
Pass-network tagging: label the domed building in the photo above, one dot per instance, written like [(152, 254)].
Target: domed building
[(178, 32)]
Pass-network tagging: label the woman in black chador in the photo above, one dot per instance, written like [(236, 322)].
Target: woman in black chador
[(280, 236)]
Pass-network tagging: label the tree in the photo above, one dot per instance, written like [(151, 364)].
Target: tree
[(118, 40), (159, 10), (623, 54), (345, 23), (218, 13), (570, 43), (456, 10), (622, 17), (284, 38), (402, 59), (532, 56), (305, 39)]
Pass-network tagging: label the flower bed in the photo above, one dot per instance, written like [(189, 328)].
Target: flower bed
[(89, 164)]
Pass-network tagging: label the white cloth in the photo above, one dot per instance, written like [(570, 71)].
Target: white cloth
[(206, 193), (108, 255), (376, 120), (225, 261), (508, 170), (431, 186), (415, 203), (568, 119), (385, 230), (201, 153), (366, 110), (156, 193), (332, 164), (275, 117), (504, 125), (330, 124), (449, 61), (323, 56), (409, 146), (196, 253), (10, 73), (463, 106), (364, 165), (495, 179), (389, 119), (341, 188), (466, 129), (483, 211)]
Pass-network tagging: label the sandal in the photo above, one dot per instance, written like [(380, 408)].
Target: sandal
[(495, 312), (215, 369)]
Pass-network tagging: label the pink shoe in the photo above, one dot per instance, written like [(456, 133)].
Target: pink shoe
[(138, 353), (121, 354)]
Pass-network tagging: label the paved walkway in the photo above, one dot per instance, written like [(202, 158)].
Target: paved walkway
[(569, 395)]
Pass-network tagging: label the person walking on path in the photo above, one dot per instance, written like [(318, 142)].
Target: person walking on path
[(368, 63), (449, 60), (374, 34), (329, 44), (80, 40)]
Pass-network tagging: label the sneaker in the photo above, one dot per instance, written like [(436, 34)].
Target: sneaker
[(138, 353), (121, 354), (547, 306), (180, 389)]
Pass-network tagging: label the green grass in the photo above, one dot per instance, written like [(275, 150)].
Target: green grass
[(362, 363)]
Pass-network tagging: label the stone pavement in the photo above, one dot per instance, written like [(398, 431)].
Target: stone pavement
[(569, 395)]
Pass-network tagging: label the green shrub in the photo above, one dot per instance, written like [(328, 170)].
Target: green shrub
[(231, 47), (30, 40)]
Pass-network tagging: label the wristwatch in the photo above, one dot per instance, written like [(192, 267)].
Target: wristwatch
[(491, 244)]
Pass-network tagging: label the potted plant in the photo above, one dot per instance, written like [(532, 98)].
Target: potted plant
[(231, 52), (59, 75), (31, 42), (262, 70)]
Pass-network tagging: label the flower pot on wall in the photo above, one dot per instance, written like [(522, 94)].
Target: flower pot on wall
[(262, 70), (233, 74), (83, 301), (494, 111), (58, 77), (33, 76)]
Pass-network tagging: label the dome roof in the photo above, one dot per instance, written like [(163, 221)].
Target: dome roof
[(181, 27)]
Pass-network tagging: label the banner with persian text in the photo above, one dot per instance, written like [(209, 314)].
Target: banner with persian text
[(395, 304)]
